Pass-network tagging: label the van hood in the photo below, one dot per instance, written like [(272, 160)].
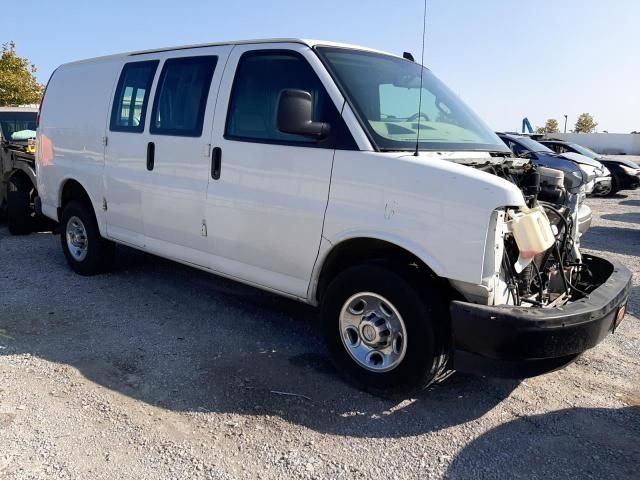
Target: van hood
[(472, 174), (474, 159)]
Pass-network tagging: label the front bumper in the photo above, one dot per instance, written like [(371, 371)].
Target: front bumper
[(602, 184), (513, 341), (585, 216)]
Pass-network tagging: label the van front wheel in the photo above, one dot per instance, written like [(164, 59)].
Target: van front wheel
[(87, 253), (384, 329)]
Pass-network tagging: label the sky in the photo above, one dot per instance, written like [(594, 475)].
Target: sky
[(507, 59)]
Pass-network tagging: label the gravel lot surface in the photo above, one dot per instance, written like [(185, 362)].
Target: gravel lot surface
[(160, 371)]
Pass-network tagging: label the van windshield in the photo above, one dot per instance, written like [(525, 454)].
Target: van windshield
[(385, 93)]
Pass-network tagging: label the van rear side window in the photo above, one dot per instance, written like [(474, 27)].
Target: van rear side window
[(181, 96), (130, 101)]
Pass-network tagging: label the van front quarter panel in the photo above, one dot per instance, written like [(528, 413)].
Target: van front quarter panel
[(436, 209)]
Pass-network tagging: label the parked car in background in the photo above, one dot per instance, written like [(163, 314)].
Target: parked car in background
[(625, 174), (312, 170), (599, 176), (524, 147), (17, 168)]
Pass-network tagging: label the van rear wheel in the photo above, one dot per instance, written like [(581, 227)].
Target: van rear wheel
[(384, 329), (19, 210), (87, 253)]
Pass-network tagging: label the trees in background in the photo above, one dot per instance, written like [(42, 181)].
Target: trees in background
[(585, 124), (18, 84), (551, 126)]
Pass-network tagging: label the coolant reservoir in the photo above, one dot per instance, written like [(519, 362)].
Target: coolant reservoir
[(532, 232)]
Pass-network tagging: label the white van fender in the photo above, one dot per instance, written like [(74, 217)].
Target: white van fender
[(96, 203), (327, 247), (429, 205)]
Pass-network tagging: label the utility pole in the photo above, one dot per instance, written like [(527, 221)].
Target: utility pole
[(565, 124)]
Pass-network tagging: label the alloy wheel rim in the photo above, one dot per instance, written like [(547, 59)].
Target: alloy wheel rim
[(606, 190), (373, 332)]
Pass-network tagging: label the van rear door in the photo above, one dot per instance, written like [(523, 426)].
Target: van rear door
[(178, 152)]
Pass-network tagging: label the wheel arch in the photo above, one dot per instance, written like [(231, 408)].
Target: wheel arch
[(359, 249), (20, 173), (72, 189)]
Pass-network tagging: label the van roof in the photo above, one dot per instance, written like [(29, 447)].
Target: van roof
[(307, 42)]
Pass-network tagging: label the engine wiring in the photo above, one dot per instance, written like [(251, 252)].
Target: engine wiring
[(538, 272), (561, 253)]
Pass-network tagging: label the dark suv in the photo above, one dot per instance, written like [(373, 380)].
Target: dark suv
[(625, 174), (17, 168)]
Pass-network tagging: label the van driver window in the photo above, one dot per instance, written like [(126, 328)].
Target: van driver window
[(260, 78), (132, 95)]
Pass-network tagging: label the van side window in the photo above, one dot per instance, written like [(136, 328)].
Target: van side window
[(260, 77), (181, 96), (130, 101)]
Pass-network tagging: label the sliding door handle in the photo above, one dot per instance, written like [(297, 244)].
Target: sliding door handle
[(216, 163), (151, 153)]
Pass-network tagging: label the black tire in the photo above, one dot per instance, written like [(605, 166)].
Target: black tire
[(614, 188), (99, 252), (19, 210), (425, 317)]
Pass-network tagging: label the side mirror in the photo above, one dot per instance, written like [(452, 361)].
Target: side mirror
[(295, 115)]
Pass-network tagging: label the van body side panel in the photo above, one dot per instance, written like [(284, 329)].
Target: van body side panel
[(265, 212), (125, 171), (72, 130), (434, 208), (174, 198)]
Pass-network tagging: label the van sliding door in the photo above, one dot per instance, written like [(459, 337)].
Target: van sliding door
[(177, 153)]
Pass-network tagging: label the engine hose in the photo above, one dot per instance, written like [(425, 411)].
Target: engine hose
[(562, 275), (567, 284), (535, 267), (512, 285)]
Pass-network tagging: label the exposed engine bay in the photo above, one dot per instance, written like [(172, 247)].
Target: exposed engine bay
[(540, 263)]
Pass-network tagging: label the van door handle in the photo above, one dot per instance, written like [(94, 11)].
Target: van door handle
[(216, 163), (151, 153)]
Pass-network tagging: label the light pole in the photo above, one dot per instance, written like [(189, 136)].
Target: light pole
[(565, 124)]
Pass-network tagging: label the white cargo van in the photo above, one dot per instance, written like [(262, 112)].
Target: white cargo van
[(312, 170)]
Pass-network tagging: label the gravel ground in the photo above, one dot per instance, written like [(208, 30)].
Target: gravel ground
[(160, 371)]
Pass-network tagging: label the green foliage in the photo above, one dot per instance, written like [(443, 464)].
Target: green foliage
[(585, 124), (18, 84), (551, 126)]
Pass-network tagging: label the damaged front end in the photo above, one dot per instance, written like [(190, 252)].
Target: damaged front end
[(541, 302), (532, 253)]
